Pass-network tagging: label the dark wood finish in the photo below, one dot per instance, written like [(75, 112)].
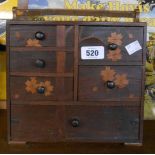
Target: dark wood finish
[(143, 88), (60, 58), (98, 123), (30, 58), (18, 89), (89, 81), (76, 62), (20, 35), (72, 147), (75, 90), (80, 103), (98, 36), (32, 74), (73, 23), (26, 121)]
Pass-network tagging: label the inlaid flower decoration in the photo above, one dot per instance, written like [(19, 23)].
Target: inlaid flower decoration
[(109, 74), (33, 43), (115, 54), (32, 85), (115, 38), (48, 87), (121, 80)]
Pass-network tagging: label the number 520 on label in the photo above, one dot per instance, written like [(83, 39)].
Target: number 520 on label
[(92, 52)]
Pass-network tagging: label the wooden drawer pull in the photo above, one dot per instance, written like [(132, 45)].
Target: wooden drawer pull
[(39, 35), (40, 63), (110, 84), (75, 122)]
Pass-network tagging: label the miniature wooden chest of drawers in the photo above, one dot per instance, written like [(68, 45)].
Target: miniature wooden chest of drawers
[(75, 81)]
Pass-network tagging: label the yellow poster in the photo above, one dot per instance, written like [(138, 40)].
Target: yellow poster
[(5, 13)]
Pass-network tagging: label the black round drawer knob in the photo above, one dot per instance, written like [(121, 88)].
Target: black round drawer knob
[(40, 36), (40, 63), (110, 84), (112, 46), (75, 123), (41, 90)]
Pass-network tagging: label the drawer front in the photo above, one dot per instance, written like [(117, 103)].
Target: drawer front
[(38, 36), (48, 123), (97, 123), (39, 61), (36, 123), (114, 40), (41, 88), (110, 83)]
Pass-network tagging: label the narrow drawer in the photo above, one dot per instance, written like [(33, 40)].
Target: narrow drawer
[(110, 83), (36, 123), (39, 61), (41, 35), (98, 123), (41, 88), (114, 40)]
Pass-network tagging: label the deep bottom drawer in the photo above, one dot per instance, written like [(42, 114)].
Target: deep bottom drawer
[(48, 123)]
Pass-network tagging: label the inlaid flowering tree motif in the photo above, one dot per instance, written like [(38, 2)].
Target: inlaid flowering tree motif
[(32, 85), (116, 39), (109, 74)]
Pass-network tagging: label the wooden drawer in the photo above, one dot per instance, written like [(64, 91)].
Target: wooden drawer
[(99, 123), (110, 83), (120, 36), (41, 88), (48, 123), (27, 35), (39, 61), (36, 123)]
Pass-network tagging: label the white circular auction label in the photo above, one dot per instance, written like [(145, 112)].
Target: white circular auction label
[(92, 52)]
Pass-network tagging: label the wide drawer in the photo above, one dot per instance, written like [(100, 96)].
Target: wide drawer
[(102, 123), (110, 83), (48, 123), (40, 35), (39, 61), (36, 123), (114, 40), (41, 88)]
